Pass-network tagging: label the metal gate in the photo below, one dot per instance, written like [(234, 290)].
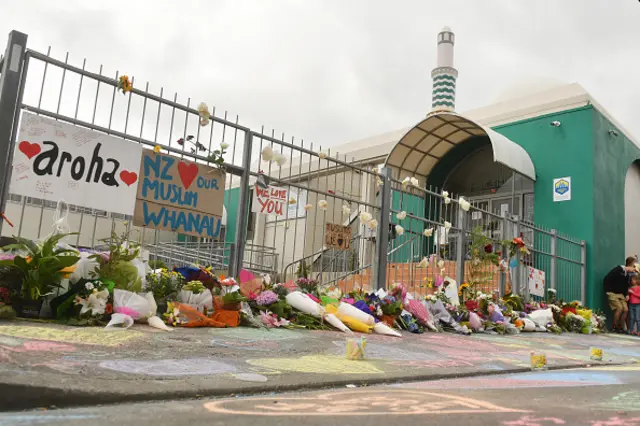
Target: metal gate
[(323, 187)]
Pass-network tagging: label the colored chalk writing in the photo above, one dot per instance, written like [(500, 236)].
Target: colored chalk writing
[(79, 336)]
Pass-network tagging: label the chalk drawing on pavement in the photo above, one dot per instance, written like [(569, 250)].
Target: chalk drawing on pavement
[(625, 401), (169, 367), (535, 421), (256, 334), (319, 364), (251, 377), (9, 341), (379, 351), (373, 402), (83, 336)]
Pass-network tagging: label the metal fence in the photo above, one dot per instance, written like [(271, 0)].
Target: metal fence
[(387, 218)]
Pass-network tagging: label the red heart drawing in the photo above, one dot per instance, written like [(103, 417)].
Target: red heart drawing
[(128, 177), (29, 149), (188, 173)]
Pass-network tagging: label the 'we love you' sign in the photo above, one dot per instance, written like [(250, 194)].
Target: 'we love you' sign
[(57, 161), (179, 195)]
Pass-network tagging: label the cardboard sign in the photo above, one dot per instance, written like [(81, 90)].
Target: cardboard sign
[(271, 200), (179, 195), (536, 282), (57, 161), (337, 236)]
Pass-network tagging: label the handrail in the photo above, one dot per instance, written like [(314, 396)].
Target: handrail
[(402, 245), (322, 250), (346, 275)]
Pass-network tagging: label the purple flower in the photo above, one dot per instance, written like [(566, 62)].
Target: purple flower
[(6, 256), (266, 298)]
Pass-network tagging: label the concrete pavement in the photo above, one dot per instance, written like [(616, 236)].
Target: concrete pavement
[(598, 396), (44, 364)]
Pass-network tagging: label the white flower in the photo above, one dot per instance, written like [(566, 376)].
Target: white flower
[(308, 207), (414, 181), (440, 263), (464, 204), (224, 145), (428, 232), (280, 159), (379, 181), (445, 194), (96, 303), (447, 225), (335, 293), (88, 286), (372, 224), (322, 204), (402, 215), (399, 230), (552, 290), (406, 181), (447, 200), (266, 278), (379, 311), (365, 217), (346, 210), (322, 155), (203, 112), (423, 263), (267, 154), (483, 297)]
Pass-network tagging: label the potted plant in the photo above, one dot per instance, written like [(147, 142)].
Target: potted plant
[(40, 267)]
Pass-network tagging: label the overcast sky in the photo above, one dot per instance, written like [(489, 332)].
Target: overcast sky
[(331, 71)]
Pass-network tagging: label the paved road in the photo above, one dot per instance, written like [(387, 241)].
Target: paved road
[(43, 364), (605, 396)]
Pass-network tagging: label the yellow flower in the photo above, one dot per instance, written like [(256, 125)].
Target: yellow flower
[(156, 149)]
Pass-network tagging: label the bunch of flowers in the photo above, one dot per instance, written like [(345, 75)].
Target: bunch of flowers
[(124, 84), (93, 299), (164, 284), (172, 315), (308, 285), (195, 286), (266, 298)]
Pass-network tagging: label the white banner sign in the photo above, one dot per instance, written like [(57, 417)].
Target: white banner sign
[(57, 161), (536, 282), (271, 200), (562, 189)]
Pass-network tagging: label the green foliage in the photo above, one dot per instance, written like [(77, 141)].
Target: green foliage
[(393, 309), (165, 285), (118, 268), (195, 286), (40, 270), (281, 308), (7, 312), (233, 297), (157, 264), (482, 260), (514, 302), (303, 270)]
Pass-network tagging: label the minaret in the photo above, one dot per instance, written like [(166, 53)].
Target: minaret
[(444, 75)]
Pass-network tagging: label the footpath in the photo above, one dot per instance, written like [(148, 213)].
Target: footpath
[(43, 365)]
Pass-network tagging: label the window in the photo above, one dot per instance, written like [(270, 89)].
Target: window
[(15, 198)]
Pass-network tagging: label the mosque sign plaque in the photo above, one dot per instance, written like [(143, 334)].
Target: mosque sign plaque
[(337, 236), (562, 189)]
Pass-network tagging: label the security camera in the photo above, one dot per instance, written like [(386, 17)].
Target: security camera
[(556, 123)]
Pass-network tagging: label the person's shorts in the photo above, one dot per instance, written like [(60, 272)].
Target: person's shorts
[(617, 302)]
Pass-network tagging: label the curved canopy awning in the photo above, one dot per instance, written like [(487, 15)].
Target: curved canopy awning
[(430, 140)]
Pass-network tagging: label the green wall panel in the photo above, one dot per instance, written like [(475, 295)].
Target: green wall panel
[(612, 157)]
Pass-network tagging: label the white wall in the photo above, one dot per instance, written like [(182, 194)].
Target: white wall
[(632, 210)]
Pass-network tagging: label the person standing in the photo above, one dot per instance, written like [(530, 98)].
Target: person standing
[(616, 285), (634, 306)]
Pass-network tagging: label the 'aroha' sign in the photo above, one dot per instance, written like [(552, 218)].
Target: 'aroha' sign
[(57, 161), (179, 195)]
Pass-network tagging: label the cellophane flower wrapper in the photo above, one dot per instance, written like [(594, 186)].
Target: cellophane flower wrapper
[(441, 314), (304, 303), (189, 316), (382, 328), (84, 268), (421, 314), (475, 322), (198, 301), (119, 321), (132, 304), (542, 317), (351, 311)]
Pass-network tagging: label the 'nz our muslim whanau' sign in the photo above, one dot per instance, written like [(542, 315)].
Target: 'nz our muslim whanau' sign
[(57, 161), (179, 195)]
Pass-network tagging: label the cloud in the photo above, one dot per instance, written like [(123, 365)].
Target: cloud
[(332, 71)]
